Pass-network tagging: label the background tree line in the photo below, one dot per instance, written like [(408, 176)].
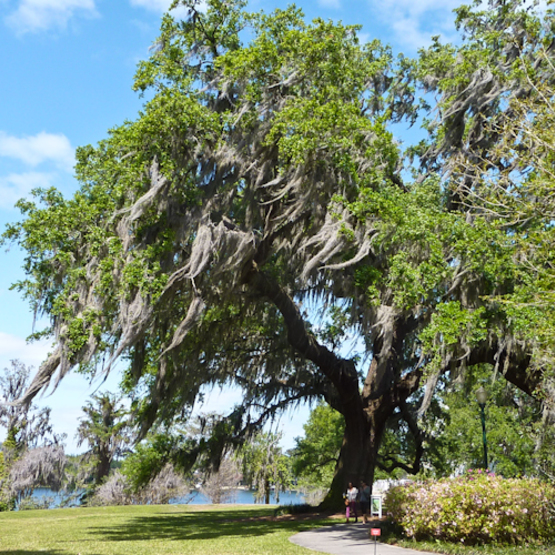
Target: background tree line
[(111, 471)]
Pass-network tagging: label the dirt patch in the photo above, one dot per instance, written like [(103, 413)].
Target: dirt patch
[(306, 516), (303, 517)]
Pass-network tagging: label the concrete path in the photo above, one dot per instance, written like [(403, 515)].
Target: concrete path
[(346, 539)]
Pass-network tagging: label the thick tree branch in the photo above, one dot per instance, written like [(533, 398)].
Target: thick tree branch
[(419, 446), (514, 365), (341, 373)]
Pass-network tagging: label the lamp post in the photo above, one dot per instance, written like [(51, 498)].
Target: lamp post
[(482, 397)]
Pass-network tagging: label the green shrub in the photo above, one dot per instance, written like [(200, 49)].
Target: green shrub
[(476, 508)]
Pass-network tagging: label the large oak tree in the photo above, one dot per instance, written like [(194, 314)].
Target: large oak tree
[(257, 213)]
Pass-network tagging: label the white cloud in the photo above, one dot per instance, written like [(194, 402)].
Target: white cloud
[(154, 5), (43, 147), (415, 22), (14, 347), (15, 186), (414, 9), (40, 15), (363, 37), (410, 34), (162, 6)]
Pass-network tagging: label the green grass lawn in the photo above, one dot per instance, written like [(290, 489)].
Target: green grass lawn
[(184, 530), (152, 530)]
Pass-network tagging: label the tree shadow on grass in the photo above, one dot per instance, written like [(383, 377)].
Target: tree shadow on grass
[(27, 552), (196, 526)]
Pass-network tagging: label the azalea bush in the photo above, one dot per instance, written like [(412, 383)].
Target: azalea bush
[(476, 508)]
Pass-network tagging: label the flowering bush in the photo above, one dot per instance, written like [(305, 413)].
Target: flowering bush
[(476, 508)]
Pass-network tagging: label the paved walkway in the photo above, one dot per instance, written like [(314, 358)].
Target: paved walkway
[(347, 539)]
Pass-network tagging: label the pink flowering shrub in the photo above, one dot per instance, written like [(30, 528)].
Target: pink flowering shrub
[(476, 508)]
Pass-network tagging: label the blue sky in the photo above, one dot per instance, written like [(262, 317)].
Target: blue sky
[(67, 68)]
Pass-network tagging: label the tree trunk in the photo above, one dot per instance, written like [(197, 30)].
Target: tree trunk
[(267, 492), (359, 452), (384, 391), (103, 464), (365, 412)]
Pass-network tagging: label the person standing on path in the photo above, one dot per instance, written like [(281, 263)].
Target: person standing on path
[(365, 499), (351, 498)]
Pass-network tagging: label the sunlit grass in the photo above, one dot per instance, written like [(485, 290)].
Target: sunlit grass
[(184, 530), (152, 530)]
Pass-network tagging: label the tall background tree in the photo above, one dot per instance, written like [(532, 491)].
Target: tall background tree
[(259, 192), (221, 486), (32, 455), (28, 426), (107, 431), (266, 469), (315, 455), (519, 439)]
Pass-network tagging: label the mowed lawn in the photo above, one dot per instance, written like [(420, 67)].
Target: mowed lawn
[(152, 530)]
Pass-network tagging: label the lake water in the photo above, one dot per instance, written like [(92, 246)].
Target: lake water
[(242, 496), (246, 497)]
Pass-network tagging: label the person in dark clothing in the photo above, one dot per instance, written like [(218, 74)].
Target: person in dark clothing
[(365, 499)]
